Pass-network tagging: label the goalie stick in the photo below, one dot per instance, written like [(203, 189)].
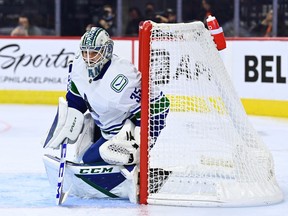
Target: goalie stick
[(60, 195)]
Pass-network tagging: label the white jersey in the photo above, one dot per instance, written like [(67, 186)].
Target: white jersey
[(111, 99)]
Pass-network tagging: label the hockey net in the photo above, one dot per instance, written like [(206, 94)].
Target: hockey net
[(208, 154)]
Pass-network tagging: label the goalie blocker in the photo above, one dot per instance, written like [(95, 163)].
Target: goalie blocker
[(68, 123)]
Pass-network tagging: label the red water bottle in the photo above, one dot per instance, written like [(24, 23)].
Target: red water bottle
[(217, 32)]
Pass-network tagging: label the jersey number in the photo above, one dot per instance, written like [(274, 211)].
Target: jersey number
[(136, 95)]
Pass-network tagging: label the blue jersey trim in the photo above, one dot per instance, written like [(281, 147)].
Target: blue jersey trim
[(103, 71), (76, 102), (136, 110), (106, 130)]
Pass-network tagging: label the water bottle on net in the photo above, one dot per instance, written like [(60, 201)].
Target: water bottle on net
[(217, 32)]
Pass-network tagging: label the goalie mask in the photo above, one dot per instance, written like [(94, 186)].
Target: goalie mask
[(96, 49)]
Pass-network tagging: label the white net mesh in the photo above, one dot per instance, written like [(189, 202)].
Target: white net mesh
[(208, 153)]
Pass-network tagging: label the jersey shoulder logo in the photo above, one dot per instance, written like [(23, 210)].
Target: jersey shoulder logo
[(119, 83)]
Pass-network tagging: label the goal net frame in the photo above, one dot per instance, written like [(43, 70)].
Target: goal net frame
[(256, 193)]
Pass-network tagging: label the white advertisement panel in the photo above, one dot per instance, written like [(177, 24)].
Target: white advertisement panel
[(41, 64), (35, 64), (260, 69)]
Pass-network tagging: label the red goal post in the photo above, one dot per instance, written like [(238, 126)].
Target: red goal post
[(144, 53), (208, 154)]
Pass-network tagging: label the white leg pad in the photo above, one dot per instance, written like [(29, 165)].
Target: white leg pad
[(132, 177), (85, 138)]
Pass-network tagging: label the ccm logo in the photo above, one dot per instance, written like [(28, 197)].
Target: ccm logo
[(266, 68), (73, 124)]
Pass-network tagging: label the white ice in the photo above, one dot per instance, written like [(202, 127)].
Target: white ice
[(24, 188)]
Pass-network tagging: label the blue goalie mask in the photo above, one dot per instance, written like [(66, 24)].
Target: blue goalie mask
[(96, 49)]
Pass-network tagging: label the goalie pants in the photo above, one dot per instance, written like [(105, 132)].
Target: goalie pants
[(92, 154)]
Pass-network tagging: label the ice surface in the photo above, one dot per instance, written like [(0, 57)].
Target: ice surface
[(24, 188)]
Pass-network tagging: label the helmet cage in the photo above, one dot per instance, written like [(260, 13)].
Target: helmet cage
[(93, 56)]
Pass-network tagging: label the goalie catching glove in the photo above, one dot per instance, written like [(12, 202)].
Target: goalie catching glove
[(68, 123), (124, 148)]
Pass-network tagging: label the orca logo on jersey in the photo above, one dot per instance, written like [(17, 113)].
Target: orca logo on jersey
[(119, 83)]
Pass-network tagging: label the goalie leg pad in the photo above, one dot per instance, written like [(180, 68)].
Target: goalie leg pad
[(85, 138), (131, 174)]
